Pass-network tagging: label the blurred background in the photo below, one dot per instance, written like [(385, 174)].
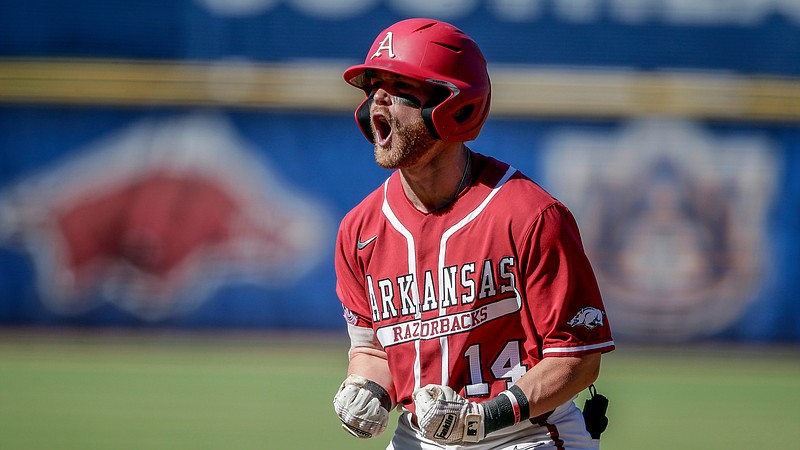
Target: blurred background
[(174, 173)]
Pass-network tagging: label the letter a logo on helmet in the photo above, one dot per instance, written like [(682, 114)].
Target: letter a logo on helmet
[(386, 44), (437, 53)]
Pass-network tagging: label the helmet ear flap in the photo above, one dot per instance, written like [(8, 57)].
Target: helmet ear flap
[(439, 96), (427, 117), (363, 118)]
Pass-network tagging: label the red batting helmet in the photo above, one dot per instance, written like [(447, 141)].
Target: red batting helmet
[(438, 53)]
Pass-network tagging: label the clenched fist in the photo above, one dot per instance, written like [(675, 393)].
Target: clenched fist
[(446, 417), (363, 406)]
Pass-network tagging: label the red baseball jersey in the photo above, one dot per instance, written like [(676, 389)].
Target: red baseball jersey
[(475, 295)]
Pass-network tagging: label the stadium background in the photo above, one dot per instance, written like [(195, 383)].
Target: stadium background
[(182, 166), (596, 100)]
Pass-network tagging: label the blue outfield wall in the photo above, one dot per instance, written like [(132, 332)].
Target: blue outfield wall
[(692, 226)]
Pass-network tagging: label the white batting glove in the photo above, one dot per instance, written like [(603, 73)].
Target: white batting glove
[(363, 406), (447, 418)]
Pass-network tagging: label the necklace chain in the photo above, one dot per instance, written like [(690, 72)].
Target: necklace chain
[(461, 184)]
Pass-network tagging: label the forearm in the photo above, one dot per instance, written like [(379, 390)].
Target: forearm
[(556, 380), (367, 394), (548, 385), (372, 364)]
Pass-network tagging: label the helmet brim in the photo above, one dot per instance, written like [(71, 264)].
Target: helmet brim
[(356, 75)]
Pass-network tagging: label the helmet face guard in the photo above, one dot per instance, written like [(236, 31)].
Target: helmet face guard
[(436, 53)]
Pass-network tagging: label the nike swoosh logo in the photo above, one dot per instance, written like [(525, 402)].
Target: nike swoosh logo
[(361, 245)]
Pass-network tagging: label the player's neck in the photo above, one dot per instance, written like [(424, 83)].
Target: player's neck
[(435, 184)]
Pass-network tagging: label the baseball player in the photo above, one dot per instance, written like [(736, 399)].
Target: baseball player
[(470, 304)]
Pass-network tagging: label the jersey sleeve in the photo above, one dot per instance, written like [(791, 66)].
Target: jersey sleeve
[(562, 292), (350, 280)]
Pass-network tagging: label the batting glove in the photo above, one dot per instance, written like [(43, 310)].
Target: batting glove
[(363, 406), (447, 418)]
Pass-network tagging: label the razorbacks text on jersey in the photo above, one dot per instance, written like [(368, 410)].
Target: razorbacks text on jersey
[(475, 295)]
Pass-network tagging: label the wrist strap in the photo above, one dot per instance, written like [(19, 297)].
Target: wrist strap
[(380, 392), (520, 403), (505, 410)]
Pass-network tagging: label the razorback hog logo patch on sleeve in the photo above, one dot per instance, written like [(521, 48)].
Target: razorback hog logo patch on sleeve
[(588, 317)]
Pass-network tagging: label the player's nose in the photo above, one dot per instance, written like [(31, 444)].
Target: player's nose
[(382, 97)]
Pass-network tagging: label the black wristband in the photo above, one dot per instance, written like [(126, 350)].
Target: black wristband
[(502, 411), (522, 401), (497, 413), (380, 392)]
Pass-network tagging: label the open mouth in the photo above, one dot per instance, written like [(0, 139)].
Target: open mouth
[(382, 129)]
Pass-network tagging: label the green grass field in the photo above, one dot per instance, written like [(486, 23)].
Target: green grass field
[(111, 391)]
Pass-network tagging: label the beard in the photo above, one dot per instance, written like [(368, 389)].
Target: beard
[(410, 142)]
